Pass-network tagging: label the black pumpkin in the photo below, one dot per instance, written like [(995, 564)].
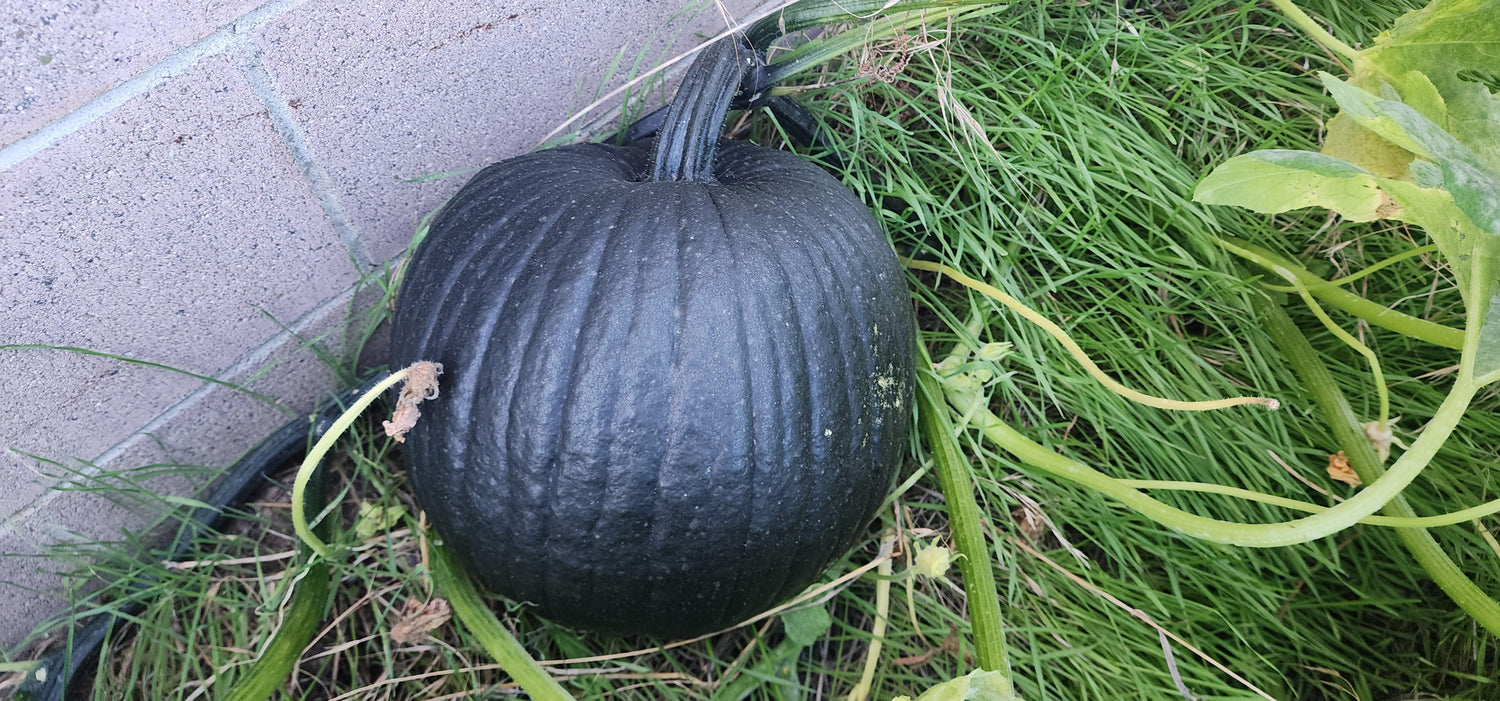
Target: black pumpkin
[(677, 382)]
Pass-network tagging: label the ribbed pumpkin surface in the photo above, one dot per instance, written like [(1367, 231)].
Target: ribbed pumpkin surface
[(666, 406)]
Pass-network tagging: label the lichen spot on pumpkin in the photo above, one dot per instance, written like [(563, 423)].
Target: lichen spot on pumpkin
[(888, 392)]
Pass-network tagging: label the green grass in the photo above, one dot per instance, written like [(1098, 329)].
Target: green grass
[(1067, 185)]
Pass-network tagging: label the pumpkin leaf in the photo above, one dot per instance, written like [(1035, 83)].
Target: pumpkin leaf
[(1459, 208), (1476, 193), (1463, 215), (1434, 57), (374, 519), (1487, 355), (1426, 173), (1456, 235), (1348, 141), (1474, 117), (1396, 121), (978, 685), (804, 626), (1276, 180), (1390, 119), (1417, 139), (1436, 61)]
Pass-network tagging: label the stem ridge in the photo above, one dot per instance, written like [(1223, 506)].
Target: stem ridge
[(688, 140)]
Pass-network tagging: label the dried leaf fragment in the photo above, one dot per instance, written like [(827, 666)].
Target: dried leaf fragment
[(1380, 436), (1388, 208), (421, 384), (1339, 469), (1030, 520), (949, 645), (418, 619)]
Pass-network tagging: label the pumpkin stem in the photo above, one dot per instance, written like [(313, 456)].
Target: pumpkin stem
[(689, 136)]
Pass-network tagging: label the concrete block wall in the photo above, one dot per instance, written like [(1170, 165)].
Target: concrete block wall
[(203, 185)]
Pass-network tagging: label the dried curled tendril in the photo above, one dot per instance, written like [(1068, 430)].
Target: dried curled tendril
[(421, 385)]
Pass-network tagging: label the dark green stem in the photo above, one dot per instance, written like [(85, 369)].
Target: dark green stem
[(966, 522), (689, 136), (1340, 419), (475, 615), (311, 591)]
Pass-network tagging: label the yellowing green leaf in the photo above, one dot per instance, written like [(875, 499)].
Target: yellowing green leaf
[(1347, 141), (1274, 181), (1472, 189), (374, 519), (1418, 92), (1417, 139), (975, 686), (1487, 355), (1444, 33), (1394, 121), (1438, 45)]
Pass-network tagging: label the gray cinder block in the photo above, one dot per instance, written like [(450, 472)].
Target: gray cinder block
[(56, 56), (186, 187)]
